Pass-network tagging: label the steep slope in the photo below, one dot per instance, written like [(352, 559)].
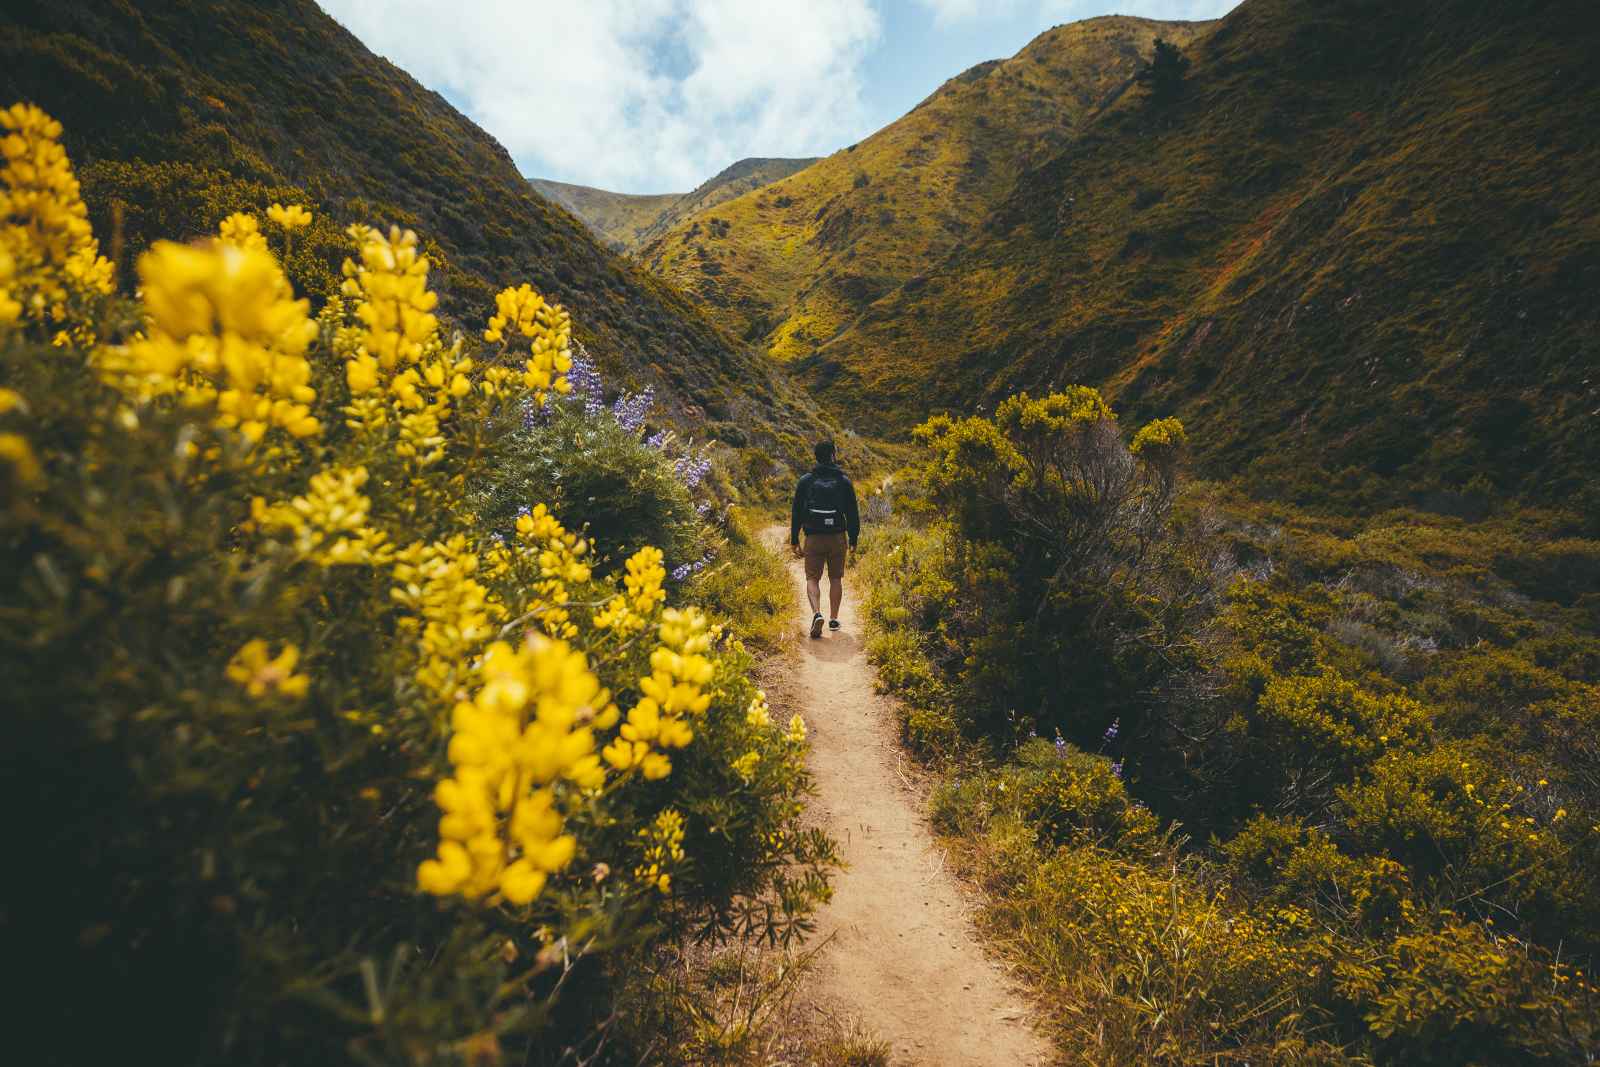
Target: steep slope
[(1360, 256), (177, 114), (731, 181), (788, 265), (616, 218)]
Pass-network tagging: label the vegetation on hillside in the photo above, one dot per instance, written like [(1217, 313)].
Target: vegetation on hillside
[(730, 182), (1243, 784), (181, 114), (625, 221), (1361, 246), (791, 264), (615, 218), (326, 759)]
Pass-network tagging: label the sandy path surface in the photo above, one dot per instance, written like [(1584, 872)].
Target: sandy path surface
[(903, 957)]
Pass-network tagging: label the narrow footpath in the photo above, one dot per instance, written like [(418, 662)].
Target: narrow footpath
[(904, 957)]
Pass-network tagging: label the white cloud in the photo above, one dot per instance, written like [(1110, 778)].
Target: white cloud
[(634, 95)]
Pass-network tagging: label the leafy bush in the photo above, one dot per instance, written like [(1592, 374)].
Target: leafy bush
[(324, 769), (1390, 748)]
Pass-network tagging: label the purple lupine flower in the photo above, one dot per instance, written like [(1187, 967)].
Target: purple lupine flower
[(703, 508), (632, 409), (659, 439), (1061, 746), (684, 570), (692, 469), (1111, 731), (1116, 768), (586, 382)]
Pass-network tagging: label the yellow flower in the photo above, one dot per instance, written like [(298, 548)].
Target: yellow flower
[(243, 231), (457, 614), (759, 714), (548, 328), (745, 765), (224, 327), (329, 522), (512, 746), (797, 730), (264, 676), (663, 848), (293, 217), (15, 451), (48, 253)]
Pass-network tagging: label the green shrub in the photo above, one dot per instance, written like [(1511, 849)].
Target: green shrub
[(591, 469)]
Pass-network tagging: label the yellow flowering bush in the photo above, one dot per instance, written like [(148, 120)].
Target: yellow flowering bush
[(334, 725)]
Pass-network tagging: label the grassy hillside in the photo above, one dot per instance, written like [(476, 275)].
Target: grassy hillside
[(625, 221), (730, 182), (1358, 256), (177, 114), (790, 264), (616, 218)]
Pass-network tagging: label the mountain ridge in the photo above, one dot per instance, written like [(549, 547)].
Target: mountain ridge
[(787, 265), (1358, 246), (624, 221)]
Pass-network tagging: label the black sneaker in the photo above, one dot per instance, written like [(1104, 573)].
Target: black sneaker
[(833, 625), (816, 625)]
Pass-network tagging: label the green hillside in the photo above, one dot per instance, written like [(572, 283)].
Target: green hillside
[(732, 181), (1357, 255), (788, 265), (616, 218), (626, 221), (177, 114)]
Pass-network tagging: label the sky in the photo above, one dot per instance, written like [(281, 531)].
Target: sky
[(655, 96)]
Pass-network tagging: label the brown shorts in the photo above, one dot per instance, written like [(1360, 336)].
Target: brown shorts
[(825, 549)]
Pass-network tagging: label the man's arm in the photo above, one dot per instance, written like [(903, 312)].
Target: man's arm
[(794, 510), (851, 516)]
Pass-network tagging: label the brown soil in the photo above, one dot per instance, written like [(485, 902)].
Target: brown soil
[(903, 956)]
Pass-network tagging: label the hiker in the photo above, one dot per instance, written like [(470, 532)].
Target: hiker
[(825, 507)]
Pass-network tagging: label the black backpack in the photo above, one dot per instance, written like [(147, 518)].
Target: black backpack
[(825, 500)]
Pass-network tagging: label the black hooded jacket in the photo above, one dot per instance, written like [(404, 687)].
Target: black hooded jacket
[(797, 512)]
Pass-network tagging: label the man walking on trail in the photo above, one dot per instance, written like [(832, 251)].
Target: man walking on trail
[(825, 507)]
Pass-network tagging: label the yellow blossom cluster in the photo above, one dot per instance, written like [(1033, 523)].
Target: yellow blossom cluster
[(523, 734), (293, 217), (548, 329), (663, 849), (395, 358), (10, 307), (643, 578), (561, 558), (264, 676), (225, 328), (242, 231), (47, 249), (454, 615), (16, 453), (745, 765), (674, 691), (759, 713), (330, 523), (797, 730)]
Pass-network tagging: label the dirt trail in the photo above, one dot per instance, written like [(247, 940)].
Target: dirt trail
[(903, 956)]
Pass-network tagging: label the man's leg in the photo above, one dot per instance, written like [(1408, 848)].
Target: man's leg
[(836, 558), (814, 594)]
